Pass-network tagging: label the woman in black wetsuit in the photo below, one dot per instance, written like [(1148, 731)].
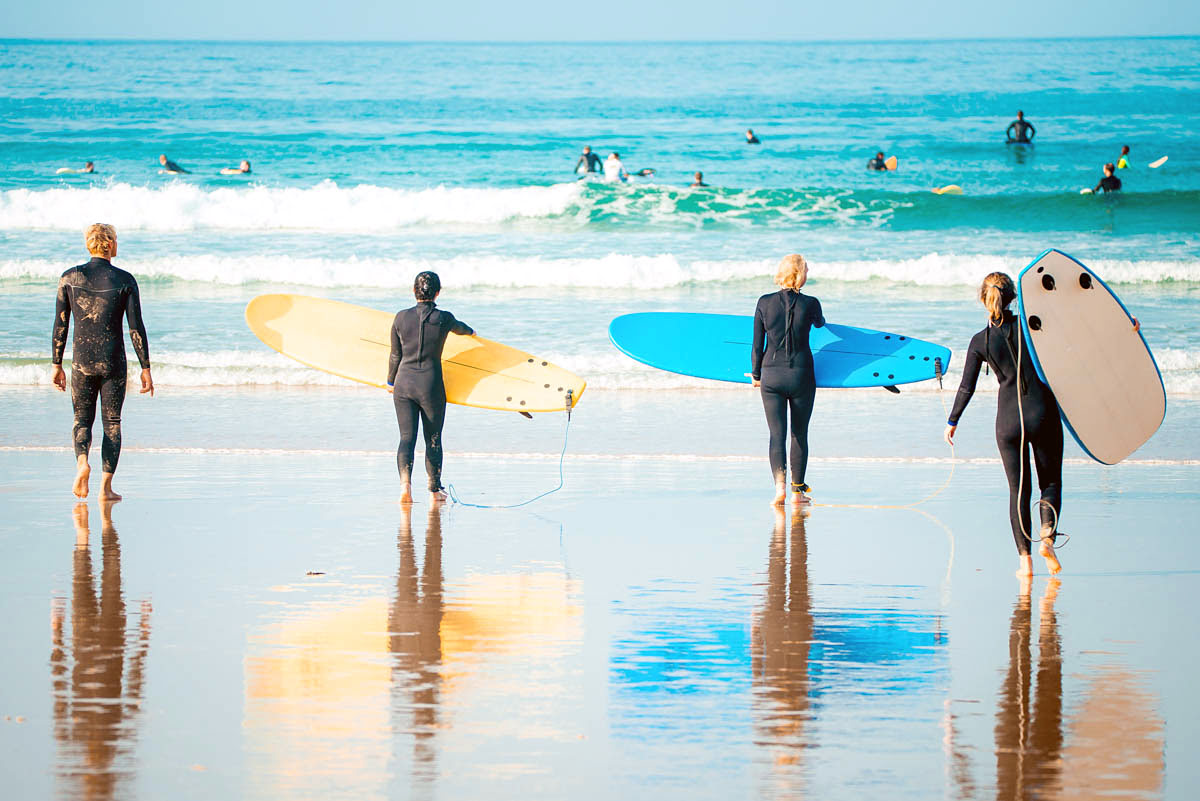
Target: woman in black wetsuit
[(1027, 417), (782, 365), (415, 376)]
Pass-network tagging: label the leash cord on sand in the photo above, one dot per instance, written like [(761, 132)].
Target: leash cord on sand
[(450, 491)]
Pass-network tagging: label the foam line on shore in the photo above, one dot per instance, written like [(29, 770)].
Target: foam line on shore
[(581, 457)]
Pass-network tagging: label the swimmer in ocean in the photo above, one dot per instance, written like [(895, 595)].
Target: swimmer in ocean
[(170, 167), (415, 377), (241, 169), (97, 295), (751, 139), (1019, 131), (781, 363), (699, 180), (614, 170), (1123, 159), (877, 163), (589, 161), (1110, 182), (86, 168)]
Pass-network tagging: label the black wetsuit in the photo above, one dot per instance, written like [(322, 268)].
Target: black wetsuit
[(592, 161), (999, 347), (1109, 183), (97, 295), (876, 164), (171, 166), (782, 359), (415, 370), (752, 140), (1024, 132)]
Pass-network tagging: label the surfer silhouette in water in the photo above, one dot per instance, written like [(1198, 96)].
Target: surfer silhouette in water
[(415, 378), (98, 295), (782, 367)]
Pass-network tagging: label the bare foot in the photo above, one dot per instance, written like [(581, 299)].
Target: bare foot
[(406, 495), (106, 490), (437, 497), (780, 493), (1047, 552), (82, 474), (800, 499), (1025, 571)]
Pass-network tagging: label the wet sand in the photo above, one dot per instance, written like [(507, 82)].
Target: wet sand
[(652, 629)]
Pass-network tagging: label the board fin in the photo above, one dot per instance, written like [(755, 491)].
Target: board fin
[(892, 389)]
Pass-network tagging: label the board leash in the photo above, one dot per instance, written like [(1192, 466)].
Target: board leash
[(453, 494)]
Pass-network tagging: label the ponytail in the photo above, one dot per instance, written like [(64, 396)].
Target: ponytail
[(996, 293)]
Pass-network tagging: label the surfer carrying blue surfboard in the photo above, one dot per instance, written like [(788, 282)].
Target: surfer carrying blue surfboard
[(1027, 417), (782, 366), (415, 377)]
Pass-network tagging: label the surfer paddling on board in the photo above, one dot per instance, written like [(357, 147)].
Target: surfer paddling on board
[(97, 295), (1020, 132), (415, 378), (88, 167), (1027, 417), (782, 367), (170, 167), (878, 162)]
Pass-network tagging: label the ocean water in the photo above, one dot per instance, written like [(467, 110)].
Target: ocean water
[(372, 162)]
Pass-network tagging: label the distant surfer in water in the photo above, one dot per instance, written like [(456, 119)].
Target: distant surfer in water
[(699, 180), (614, 170), (589, 161), (1027, 417), (415, 377), (86, 168), (877, 163), (1110, 182), (97, 295), (751, 139), (170, 167), (782, 367), (1019, 131), (241, 169), (1123, 159)]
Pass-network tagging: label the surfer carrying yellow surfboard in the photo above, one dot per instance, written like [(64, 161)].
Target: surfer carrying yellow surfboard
[(415, 377), (782, 366)]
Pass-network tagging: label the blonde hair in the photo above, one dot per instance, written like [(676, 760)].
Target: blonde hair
[(101, 240), (792, 272), (996, 292)]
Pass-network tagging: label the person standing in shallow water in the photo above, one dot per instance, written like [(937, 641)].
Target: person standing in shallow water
[(782, 366), (97, 295), (415, 377)]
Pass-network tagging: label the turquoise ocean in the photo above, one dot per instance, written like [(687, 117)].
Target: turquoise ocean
[(373, 162)]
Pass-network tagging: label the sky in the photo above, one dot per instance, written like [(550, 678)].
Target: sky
[(611, 20)]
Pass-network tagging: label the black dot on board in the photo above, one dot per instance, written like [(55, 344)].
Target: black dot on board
[(910, 358), (509, 399), (875, 374), (547, 386), (889, 336), (1035, 323), (1085, 280), (560, 389), (1048, 282), (545, 363), (531, 361), (1040, 269), (522, 403), (926, 358), (891, 376), (903, 338)]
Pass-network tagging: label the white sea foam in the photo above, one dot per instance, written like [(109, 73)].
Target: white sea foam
[(179, 206), (610, 271)]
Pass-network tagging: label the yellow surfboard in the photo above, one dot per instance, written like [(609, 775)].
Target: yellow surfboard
[(890, 162), (354, 342), (949, 189)]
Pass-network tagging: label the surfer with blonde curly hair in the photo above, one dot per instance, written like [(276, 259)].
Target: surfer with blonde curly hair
[(782, 367)]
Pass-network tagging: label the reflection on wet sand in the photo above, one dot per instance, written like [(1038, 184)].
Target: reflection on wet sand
[(97, 670), (781, 637)]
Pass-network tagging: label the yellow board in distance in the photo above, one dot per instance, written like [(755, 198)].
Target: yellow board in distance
[(890, 162), (949, 189), (354, 342)]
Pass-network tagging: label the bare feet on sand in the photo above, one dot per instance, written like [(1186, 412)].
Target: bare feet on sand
[(1047, 552), (106, 490), (780, 494), (1026, 569), (800, 499), (82, 474), (437, 497), (406, 495)]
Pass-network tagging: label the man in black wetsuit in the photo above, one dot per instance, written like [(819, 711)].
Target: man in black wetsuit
[(1019, 131), (589, 160), (97, 295), (877, 163), (170, 166), (415, 376), (751, 139), (1110, 182), (699, 180)]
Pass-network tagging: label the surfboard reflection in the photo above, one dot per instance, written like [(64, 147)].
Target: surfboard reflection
[(97, 669)]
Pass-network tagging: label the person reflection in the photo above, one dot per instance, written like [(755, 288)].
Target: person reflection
[(414, 638), (96, 675), (780, 639), (1029, 742)]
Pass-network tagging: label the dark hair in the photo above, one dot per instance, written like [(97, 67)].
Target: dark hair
[(426, 285)]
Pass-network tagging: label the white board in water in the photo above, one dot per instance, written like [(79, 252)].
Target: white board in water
[(1083, 345)]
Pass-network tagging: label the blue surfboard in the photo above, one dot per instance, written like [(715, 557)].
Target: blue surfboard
[(717, 346), (1083, 345)]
